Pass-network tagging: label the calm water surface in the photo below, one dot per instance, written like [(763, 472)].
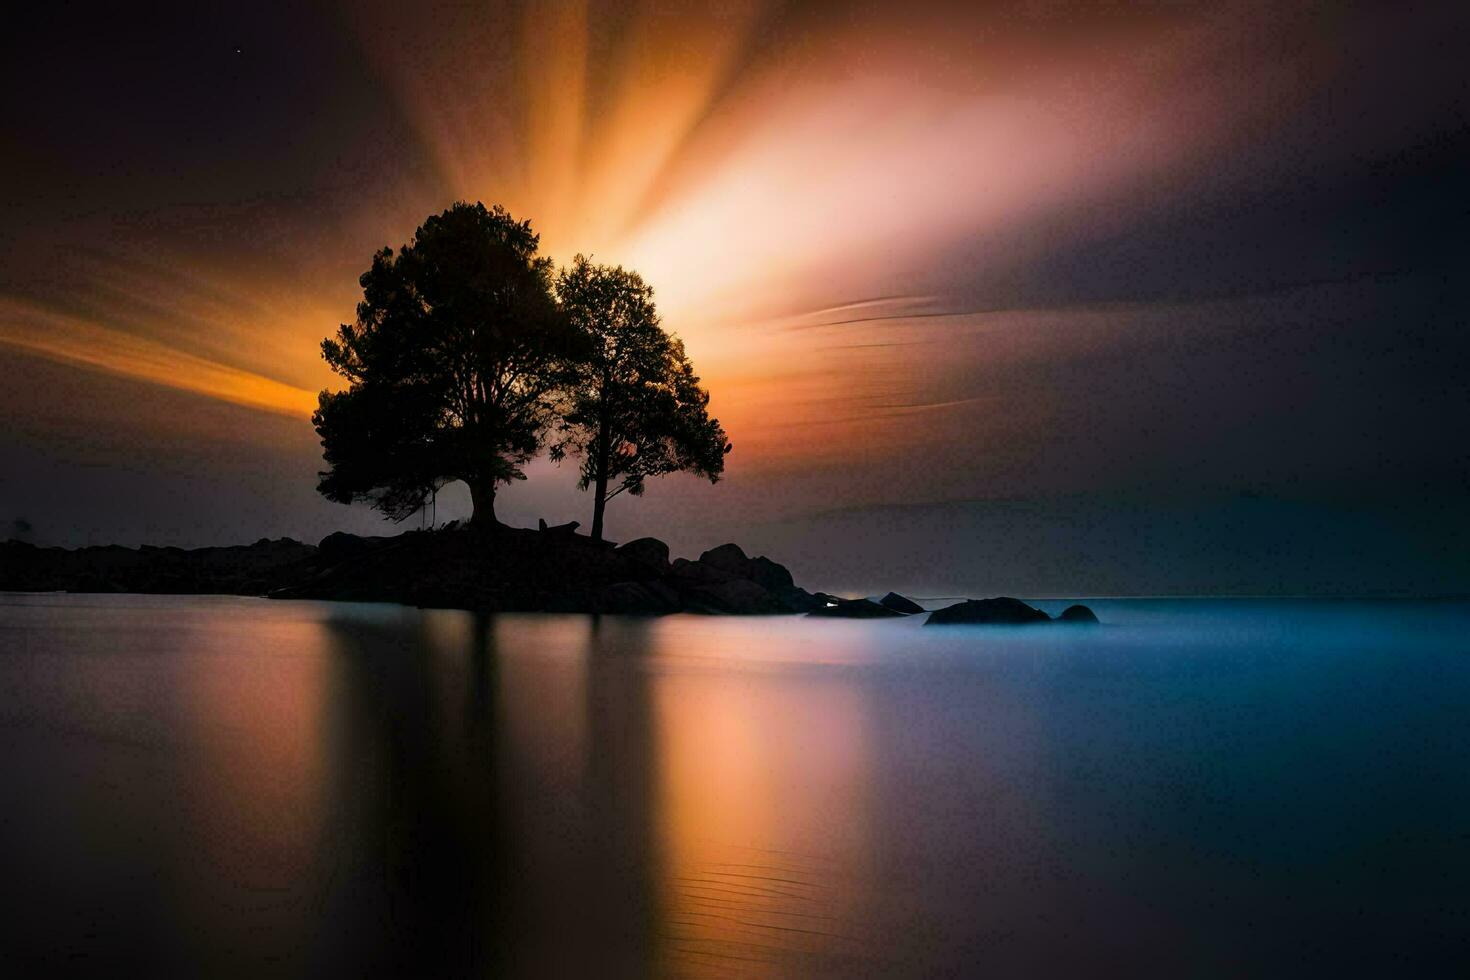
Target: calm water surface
[(235, 787)]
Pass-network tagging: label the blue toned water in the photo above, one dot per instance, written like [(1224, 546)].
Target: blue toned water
[(220, 786)]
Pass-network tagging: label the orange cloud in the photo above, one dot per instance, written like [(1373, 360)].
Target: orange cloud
[(93, 345)]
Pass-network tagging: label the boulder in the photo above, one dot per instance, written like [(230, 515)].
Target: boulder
[(697, 571), (636, 599), (1077, 614), (729, 558), (1001, 611), (649, 553), (853, 609), (770, 574), (341, 546), (736, 596), (900, 604), (800, 600)]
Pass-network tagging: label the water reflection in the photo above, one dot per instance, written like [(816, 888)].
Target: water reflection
[(251, 797), (491, 785), (239, 788), (763, 821)]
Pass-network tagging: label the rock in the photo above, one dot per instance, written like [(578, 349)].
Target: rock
[(492, 568), (800, 600), (1001, 611), (728, 563), (722, 581), (636, 598), (1077, 614), (736, 596), (239, 569), (649, 553), (900, 604), (341, 546), (771, 575), (729, 558), (697, 571), (853, 609)]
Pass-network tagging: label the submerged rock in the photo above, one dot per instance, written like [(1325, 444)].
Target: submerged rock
[(853, 609), (900, 604), (1000, 611), (1077, 614)]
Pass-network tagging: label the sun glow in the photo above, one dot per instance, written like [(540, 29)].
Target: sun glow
[(788, 194)]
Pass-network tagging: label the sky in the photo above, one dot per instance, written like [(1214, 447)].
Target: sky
[(1032, 298)]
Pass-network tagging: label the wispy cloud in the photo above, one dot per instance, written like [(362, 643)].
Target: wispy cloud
[(96, 346)]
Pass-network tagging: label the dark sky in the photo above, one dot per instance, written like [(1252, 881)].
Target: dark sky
[(1031, 298)]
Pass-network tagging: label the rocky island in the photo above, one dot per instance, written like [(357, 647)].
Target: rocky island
[(493, 569), (468, 358)]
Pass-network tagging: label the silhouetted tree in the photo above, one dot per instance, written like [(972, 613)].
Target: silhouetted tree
[(634, 408), (456, 352)]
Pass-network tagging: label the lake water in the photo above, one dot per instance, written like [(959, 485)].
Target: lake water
[(237, 787)]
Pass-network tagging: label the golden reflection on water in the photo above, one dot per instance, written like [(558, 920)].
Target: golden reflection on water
[(737, 792), (228, 787), (253, 699), (761, 811), (379, 788), (762, 822)]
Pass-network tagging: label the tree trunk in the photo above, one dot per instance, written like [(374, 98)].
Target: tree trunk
[(603, 449), (482, 503), (599, 504)]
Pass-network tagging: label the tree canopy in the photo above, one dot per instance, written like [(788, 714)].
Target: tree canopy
[(633, 405), (453, 363)]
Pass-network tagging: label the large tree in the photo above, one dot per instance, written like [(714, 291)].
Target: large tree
[(457, 351), (634, 408)]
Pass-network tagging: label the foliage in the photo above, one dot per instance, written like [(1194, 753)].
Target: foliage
[(452, 365), (634, 408)]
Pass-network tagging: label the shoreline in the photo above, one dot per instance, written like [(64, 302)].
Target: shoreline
[(492, 569)]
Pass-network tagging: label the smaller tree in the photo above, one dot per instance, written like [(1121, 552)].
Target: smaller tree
[(634, 408)]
